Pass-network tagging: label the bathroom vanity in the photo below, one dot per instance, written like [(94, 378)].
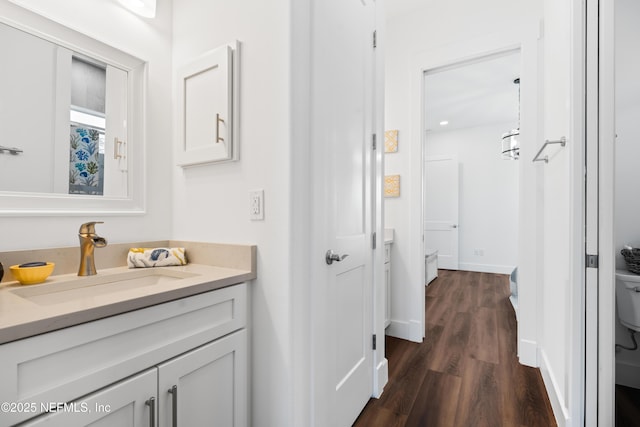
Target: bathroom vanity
[(168, 352)]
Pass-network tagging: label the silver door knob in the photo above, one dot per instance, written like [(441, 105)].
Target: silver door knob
[(330, 256), (454, 226)]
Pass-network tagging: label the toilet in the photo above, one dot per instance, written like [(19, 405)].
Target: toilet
[(628, 299)]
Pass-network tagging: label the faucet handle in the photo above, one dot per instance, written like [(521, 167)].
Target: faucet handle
[(89, 227)]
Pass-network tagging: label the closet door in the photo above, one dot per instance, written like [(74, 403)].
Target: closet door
[(441, 209)]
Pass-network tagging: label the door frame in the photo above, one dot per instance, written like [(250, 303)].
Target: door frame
[(599, 408), (511, 37)]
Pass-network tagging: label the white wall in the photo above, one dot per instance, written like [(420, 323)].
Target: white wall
[(627, 150), (148, 39), (488, 196), (427, 33), (561, 188), (211, 202)]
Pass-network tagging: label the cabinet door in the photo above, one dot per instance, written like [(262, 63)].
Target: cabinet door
[(205, 108), (124, 404), (207, 386)]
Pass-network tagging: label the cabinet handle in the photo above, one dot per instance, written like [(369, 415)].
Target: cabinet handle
[(174, 403), (117, 148), (218, 120), (151, 403)]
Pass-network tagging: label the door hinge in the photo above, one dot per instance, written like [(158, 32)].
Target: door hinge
[(592, 261), (375, 41), (374, 143), (374, 341), (373, 240)]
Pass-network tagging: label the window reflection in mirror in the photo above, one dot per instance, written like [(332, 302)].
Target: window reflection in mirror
[(67, 113), (88, 124)]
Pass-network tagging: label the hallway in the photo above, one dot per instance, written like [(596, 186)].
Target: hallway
[(466, 372)]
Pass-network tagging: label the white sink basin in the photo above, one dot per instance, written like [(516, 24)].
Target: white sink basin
[(75, 288)]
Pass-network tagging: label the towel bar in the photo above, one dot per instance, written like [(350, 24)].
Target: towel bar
[(562, 141)]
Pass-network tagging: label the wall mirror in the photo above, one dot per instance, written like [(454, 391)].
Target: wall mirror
[(71, 121)]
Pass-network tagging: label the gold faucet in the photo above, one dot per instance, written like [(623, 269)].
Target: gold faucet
[(88, 241)]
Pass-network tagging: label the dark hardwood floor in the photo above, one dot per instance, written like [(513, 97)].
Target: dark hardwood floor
[(466, 371), (627, 406)]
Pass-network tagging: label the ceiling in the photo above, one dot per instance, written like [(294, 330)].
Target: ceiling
[(471, 94), (474, 93)]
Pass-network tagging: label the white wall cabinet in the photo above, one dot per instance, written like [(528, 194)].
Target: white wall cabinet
[(208, 107), (113, 366)]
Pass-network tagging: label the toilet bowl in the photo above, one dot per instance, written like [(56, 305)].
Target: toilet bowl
[(628, 299)]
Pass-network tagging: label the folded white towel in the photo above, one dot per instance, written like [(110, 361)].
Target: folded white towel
[(156, 257)]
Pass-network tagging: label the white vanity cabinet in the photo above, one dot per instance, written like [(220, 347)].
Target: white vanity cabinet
[(116, 371)]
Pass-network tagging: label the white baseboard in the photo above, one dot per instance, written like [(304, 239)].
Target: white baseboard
[(556, 398), (406, 330), (382, 374), (528, 353), (398, 329), (416, 331), (486, 268)]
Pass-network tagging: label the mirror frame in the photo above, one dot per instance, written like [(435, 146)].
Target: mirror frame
[(48, 204)]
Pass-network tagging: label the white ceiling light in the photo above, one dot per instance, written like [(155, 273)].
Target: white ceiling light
[(146, 8), (511, 145), (444, 123)]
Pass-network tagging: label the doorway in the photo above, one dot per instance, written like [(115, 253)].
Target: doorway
[(626, 207), (615, 373), (471, 188)]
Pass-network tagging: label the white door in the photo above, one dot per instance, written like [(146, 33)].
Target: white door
[(441, 209), (206, 386), (342, 127)]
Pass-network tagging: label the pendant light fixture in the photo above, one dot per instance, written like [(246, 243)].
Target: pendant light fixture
[(511, 140)]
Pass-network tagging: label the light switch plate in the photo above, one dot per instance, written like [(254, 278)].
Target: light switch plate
[(256, 205)]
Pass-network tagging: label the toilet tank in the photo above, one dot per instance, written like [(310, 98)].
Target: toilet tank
[(628, 298)]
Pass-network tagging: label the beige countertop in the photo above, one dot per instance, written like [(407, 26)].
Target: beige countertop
[(28, 310)]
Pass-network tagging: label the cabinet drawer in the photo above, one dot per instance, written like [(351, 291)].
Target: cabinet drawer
[(123, 404), (63, 365)]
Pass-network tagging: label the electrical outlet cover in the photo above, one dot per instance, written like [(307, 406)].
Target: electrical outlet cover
[(256, 205)]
